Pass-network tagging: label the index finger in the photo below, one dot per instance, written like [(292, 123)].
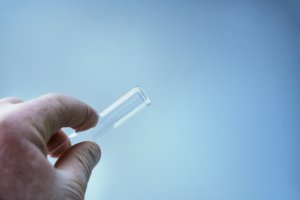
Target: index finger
[(49, 113)]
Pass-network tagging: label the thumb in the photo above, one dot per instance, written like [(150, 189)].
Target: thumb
[(77, 164)]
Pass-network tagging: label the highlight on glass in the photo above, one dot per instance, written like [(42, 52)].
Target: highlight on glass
[(114, 115)]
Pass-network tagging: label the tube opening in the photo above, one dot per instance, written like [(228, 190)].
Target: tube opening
[(144, 96)]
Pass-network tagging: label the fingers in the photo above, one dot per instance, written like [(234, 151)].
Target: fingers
[(78, 163), (58, 143), (50, 113)]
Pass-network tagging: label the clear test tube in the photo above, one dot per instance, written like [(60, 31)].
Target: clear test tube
[(114, 115)]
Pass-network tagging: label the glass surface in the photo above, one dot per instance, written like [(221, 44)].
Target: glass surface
[(114, 115)]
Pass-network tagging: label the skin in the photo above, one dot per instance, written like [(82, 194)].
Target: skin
[(31, 130)]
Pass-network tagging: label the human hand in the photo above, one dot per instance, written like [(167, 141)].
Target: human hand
[(31, 130)]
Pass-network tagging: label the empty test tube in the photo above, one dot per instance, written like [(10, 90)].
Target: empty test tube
[(114, 115)]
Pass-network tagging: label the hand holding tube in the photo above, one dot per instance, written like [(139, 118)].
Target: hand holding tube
[(114, 115), (28, 132)]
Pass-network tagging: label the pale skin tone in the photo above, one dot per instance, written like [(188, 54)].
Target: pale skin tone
[(31, 130)]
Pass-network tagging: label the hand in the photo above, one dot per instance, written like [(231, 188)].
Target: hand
[(28, 132)]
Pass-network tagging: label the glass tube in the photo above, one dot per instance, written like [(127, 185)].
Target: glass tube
[(114, 115)]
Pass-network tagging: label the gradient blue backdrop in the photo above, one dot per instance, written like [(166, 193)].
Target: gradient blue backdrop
[(224, 78)]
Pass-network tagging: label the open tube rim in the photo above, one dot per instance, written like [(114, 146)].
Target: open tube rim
[(143, 94)]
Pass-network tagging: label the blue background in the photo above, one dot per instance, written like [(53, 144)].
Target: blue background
[(223, 76)]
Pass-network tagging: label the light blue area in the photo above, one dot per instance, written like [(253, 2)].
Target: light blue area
[(223, 76)]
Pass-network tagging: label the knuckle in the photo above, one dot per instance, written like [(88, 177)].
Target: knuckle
[(75, 190), (94, 151), (88, 156), (55, 96), (8, 100), (7, 119), (92, 154), (60, 105), (9, 124)]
